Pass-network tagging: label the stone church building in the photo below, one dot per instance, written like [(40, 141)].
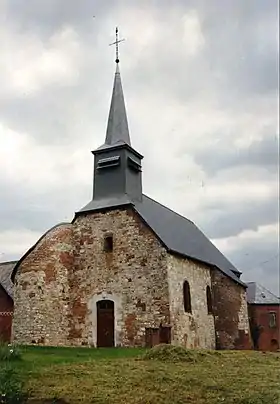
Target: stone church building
[(127, 271)]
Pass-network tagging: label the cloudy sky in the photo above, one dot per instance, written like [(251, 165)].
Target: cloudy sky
[(200, 82)]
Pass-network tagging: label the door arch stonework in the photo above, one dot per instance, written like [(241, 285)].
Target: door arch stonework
[(92, 305)]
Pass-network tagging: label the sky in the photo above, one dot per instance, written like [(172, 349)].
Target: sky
[(201, 89)]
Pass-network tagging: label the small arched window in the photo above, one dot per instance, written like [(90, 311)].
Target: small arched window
[(209, 300), (187, 297)]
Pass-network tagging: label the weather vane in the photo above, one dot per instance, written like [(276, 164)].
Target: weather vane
[(117, 41)]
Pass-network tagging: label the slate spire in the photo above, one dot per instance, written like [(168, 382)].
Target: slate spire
[(117, 127), (117, 166)]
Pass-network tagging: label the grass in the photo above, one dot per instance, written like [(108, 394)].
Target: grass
[(8, 352), (131, 376)]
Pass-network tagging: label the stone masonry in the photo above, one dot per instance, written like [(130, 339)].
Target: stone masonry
[(195, 329), (133, 275), (41, 292), (59, 283), (231, 313)]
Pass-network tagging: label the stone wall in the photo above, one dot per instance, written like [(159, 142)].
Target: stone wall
[(230, 311), (133, 275), (195, 329), (59, 283), (41, 291)]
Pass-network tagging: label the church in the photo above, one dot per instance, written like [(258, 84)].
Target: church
[(127, 271)]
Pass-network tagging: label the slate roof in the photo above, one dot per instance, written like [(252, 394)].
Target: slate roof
[(257, 294), (182, 236), (177, 233), (117, 126), (6, 269)]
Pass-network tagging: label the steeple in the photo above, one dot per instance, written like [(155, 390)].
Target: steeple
[(117, 127), (117, 166)]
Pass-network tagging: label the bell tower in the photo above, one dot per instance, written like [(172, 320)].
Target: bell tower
[(117, 166)]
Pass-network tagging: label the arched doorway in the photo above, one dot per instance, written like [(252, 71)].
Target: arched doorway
[(105, 323)]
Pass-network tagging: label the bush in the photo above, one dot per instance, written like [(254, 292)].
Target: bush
[(9, 352), (11, 387), (164, 352)]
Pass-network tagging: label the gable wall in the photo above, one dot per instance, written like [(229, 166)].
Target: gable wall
[(231, 314), (195, 329), (133, 276), (59, 283)]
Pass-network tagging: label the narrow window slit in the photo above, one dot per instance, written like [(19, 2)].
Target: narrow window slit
[(187, 297), (209, 300), (108, 244)]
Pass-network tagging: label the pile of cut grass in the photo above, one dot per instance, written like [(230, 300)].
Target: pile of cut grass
[(172, 353)]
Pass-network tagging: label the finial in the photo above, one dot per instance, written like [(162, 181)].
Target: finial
[(117, 41)]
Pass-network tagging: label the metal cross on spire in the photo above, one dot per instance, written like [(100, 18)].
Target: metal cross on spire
[(117, 41)]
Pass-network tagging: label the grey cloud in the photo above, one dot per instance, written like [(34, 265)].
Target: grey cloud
[(242, 45), (259, 261), (18, 210), (240, 57), (21, 209), (225, 221), (223, 68), (45, 17), (58, 115), (262, 153)]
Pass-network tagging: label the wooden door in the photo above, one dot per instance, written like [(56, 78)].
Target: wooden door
[(164, 335), (105, 323), (151, 337), (5, 326)]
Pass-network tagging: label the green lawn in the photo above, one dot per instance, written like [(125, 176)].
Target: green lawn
[(84, 375)]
